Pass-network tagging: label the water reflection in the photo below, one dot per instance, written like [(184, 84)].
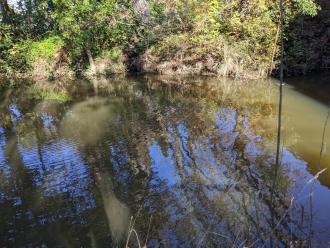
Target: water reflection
[(307, 118), (191, 163)]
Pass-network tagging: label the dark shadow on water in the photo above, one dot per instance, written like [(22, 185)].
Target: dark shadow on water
[(316, 86)]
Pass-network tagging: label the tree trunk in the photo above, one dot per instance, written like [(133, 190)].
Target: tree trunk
[(142, 8), (91, 61), (6, 10)]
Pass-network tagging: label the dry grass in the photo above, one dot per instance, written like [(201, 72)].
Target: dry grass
[(200, 55)]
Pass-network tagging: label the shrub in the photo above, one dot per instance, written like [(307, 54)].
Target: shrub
[(109, 62), (23, 55), (45, 49)]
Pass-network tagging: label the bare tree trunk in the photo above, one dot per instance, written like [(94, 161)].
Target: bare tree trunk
[(142, 8), (274, 49), (91, 61), (6, 10), (4, 6)]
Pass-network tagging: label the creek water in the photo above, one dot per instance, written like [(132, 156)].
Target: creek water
[(170, 162)]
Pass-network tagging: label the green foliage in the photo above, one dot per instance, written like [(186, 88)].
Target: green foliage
[(255, 21), (6, 39), (6, 42), (44, 49), (16, 58), (106, 28), (113, 53), (307, 7), (29, 19), (22, 55), (110, 62), (94, 25)]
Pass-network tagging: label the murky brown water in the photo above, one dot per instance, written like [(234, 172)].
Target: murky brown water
[(188, 165), (306, 107)]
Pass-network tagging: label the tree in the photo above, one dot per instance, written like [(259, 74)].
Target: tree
[(6, 11), (90, 26)]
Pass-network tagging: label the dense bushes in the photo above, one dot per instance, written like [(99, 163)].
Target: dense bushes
[(308, 42), (231, 38), (110, 62), (44, 49), (38, 58), (187, 54)]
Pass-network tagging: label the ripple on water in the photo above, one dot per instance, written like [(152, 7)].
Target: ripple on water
[(58, 168)]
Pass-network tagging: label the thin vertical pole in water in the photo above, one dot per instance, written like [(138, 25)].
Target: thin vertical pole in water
[(323, 138), (278, 145), (279, 124)]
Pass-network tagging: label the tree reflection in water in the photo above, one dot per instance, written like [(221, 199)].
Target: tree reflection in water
[(191, 159)]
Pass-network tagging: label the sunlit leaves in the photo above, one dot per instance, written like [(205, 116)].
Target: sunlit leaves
[(307, 7)]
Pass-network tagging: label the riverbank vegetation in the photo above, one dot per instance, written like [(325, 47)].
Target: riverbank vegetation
[(62, 39), (308, 42)]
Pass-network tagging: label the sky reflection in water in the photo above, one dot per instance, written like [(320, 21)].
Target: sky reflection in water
[(194, 161)]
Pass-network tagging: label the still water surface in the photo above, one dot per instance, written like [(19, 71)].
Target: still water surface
[(177, 162)]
